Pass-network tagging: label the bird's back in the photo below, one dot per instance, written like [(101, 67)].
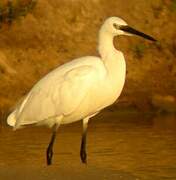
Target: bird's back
[(43, 101)]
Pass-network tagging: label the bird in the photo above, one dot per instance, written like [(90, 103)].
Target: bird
[(78, 89)]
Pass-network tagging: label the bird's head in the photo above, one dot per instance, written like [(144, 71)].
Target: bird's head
[(117, 26)]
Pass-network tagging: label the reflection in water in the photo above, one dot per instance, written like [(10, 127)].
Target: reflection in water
[(119, 147)]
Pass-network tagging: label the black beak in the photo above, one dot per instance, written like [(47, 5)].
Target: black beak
[(130, 30)]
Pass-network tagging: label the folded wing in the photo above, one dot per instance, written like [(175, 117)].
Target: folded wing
[(57, 96)]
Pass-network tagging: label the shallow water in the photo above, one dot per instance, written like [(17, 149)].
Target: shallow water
[(119, 147)]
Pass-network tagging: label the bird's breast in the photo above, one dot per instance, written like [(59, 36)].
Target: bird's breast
[(103, 92)]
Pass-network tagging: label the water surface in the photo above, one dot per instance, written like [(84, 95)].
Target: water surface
[(119, 147)]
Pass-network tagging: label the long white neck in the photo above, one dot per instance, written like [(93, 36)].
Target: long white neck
[(113, 60), (105, 45)]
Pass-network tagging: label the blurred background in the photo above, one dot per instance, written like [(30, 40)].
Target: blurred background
[(126, 141), (38, 35)]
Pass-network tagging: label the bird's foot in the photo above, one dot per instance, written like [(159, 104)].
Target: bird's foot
[(83, 156), (49, 155)]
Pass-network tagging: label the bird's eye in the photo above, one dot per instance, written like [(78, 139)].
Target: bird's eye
[(116, 26)]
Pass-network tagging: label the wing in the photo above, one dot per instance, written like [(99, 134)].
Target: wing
[(56, 96), (76, 85)]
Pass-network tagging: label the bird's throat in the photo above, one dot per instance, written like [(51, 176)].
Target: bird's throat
[(105, 46)]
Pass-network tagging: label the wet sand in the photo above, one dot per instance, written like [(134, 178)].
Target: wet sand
[(119, 147)]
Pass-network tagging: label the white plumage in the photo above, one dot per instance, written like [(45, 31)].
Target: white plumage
[(79, 89), (75, 90)]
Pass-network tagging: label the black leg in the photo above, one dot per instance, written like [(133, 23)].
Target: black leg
[(49, 152), (83, 153)]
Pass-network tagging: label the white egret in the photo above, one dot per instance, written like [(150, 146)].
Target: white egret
[(78, 89)]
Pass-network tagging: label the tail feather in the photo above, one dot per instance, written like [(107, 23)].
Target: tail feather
[(11, 120)]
